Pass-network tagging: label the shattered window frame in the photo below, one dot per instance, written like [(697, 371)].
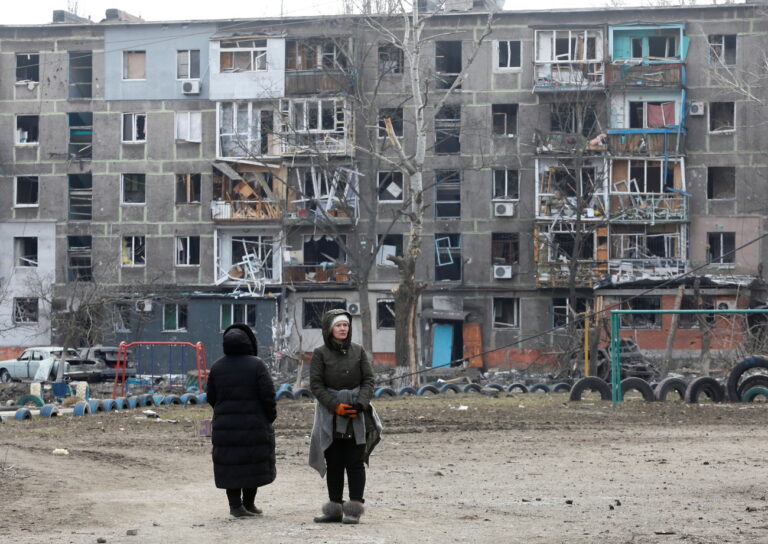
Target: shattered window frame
[(561, 311), (722, 117), (505, 248), (26, 310), (722, 49), (133, 249), (504, 120), (385, 313), (187, 251), (253, 51), (79, 258), (448, 257), (188, 188), (385, 180), (174, 317), (390, 59), (641, 321), (25, 251), (506, 313)]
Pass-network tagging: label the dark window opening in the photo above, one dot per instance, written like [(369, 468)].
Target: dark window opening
[(509, 54), (188, 188), (395, 116), (390, 59), (27, 129), (721, 182), (188, 250), (134, 251), (448, 263), (27, 190), (641, 321), (79, 258), (574, 118), (389, 244), (504, 119), (506, 185), (721, 247), (663, 47), (80, 197), (314, 310), (564, 246), (505, 248), (562, 312), (692, 321), (322, 249), (506, 313), (174, 317), (385, 314), (722, 116), (447, 193), (80, 135), (80, 74), (257, 249), (637, 48), (448, 130), (28, 67), (25, 251), (25, 310), (390, 186), (722, 48), (134, 188), (447, 62)]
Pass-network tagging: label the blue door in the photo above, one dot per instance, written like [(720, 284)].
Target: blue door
[(442, 345)]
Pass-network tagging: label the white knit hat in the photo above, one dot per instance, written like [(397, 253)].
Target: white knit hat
[(338, 318)]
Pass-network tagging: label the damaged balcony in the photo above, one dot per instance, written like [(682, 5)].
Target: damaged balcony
[(251, 194), (646, 142), (643, 252), (556, 244), (568, 60), (562, 194), (323, 195), (564, 143), (315, 127), (648, 191), (245, 261), (321, 260), (630, 75), (316, 66), (647, 56)]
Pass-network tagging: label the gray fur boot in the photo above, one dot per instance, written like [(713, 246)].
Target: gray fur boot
[(352, 512), (331, 513)]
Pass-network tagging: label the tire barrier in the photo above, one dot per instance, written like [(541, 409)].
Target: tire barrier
[(108, 405), (495, 386), (145, 400), (283, 394), (384, 391), (427, 389), (96, 405), (561, 387), (667, 385), (704, 386), (157, 400), (49, 410), (590, 383), (750, 395), (520, 386), (202, 398), (120, 403), (81, 408), (452, 387), (133, 402), (285, 387), (471, 388), (30, 399), (22, 413), (303, 393), (731, 386), (639, 385), (171, 399), (544, 388), (188, 398), (406, 391), (757, 380)]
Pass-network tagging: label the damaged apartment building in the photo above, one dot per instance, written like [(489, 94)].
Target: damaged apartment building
[(244, 170)]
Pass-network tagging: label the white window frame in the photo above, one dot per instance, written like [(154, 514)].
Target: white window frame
[(709, 117), (553, 35), (506, 326), (175, 307), (183, 249), (17, 244), (506, 171), (134, 117), (256, 54), (715, 57), (302, 125), (124, 66), (385, 301), (248, 137), (16, 203), (129, 251), (188, 53), (189, 126), (232, 306), (122, 190), (497, 46)]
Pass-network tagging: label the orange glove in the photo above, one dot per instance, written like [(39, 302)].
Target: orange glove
[(346, 410)]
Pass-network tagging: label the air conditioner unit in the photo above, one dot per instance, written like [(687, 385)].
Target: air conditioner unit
[(353, 308), (190, 86), (144, 305), (696, 108), (502, 272), (504, 209), (726, 304)]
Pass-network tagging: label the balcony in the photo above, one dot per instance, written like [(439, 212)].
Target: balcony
[(568, 76), (561, 143), (631, 270), (316, 273), (244, 210), (301, 82), (649, 207), (558, 274), (647, 142), (313, 143), (639, 76)]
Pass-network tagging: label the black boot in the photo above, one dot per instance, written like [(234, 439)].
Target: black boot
[(331, 513), (240, 512), (253, 509), (352, 512)]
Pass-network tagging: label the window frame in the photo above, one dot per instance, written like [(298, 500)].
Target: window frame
[(187, 251), (134, 118), (497, 48), (135, 249), (720, 171), (381, 257), (192, 136), (717, 260), (32, 65), (180, 317), (255, 54), (391, 176), (387, 304), (506, 181), (189, 65), (123, 201), (17, 139), (248, 314), (19, 252), (714, 58), (125, 65), (650, 321), (79, 252), (451, 251), (730, 130), (504, 326), (564, 309), (16, 203), (18, 314), (193, 184), (331, 303), (445, 180), (397, 62), (396, 117)]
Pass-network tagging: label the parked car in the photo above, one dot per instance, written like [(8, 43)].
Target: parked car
[(107, 357), (27, 365)]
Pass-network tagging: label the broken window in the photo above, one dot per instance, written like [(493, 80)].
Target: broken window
[(448, 130), (243, 55), (27, 67), (390, 59), (447, 63), (721, 247), (188, 188), (568, 45), (254, 251), (637, 48), (640, 321), (122, 315), (390, 186), (395, 116), (652, 114), (79, 264), (646, 177), (25, 251), (238, 313), (504, 119), (134, 188), (562, 313), (574, 118), (506, 185), (721, 182), (133, 250), (722, 49), (80, 135), (27, 129), (25, 310), (629, 242), (300, 55), (174, 317), (447, 193), (187, 250), (692, 321), (189, 126), (389, 244), (314, 309), (322, 249), (80, 74), (80, 197), (332, 57), (448, 262), (564, 246), (722, 116), (509, 54), (506, 313), (26, 191), (134, 127), (385, 313), (505, 248), (134, 64), (188, 64), (662, 47), (244, 129)]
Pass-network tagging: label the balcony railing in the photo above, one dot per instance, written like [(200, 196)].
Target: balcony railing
[(563, 76), (649, 207), (559, 143), (629, 270), (649, 142), (245, 210), (553, 206), (330, 143), (315, 81), (558, 274), (636, 76), (320, 273)]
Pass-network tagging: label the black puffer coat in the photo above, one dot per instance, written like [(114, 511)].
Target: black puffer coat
[(243, 398)]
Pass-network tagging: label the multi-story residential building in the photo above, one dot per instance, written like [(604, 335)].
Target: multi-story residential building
[(220, 171)]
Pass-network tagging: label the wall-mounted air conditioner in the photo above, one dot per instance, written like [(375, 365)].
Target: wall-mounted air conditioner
[(726, 305), (353, 308), (190, 86), (696, 108), (504, 209), (503, 272), (144, 305)]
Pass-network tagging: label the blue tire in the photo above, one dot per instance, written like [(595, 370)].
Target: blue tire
[(188, 398), (285, 387), (517, 386), (406, 391), (561, 387), (750, 394), (81, 408), (49, 410), (109, 405), (171, 399), (427, 389), (452, 387), (303, 393), (544, 388), (157, 400), (22, 413), (96, 405), (30, 399), (120, 403), (132, 402), (202, 398), (283, 394), (471, 388), (384, 391), (145, 400)]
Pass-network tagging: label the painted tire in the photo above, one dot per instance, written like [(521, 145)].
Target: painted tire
[(188, 398), (667, 385), (495, 386), (704, 385), (561, 387), (427, 389), (639, 385), (96, 405), (81, 408), (22, 413), (384, 391), (285, 387), (27, 399), (750, 395), (449, 387), (171, 399), (758, 380), (738, 369), (202, 398), (133, 402), (471, 388), (590, 383), (303, 393), (157, 400), (145, 400), (120, 403), (109, 405), (521, 386), (49, 410), (544, 388), (406, 391), (283, 394)]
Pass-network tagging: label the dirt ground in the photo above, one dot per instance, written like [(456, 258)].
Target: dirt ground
[(522, 468)]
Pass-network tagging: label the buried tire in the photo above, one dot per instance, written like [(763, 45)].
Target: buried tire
[(427, 389), (750, 395), (406, 391), (704, 386), (384, 392), (758, 380), (639, 385), (303, 393), (520, 386), (590, 383), (561, 387), (544, 388), (667, 385), (449, 388), (731, 386), (471, 388)]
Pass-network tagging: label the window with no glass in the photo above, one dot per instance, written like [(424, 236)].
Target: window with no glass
[(79, 258), (187, 250), (504, 119), (448, 263), (721, 182), (506, 313), (28, 67), (25, 251), (506, 185), (389, 244), (188, 188), (722, 48), (26, 191), (390, 186), (133, 250), (243, 55), (80, 74), (314, 309), (134, 127), (508, 55), (447, 193), (385, 313), (390, 59), (27, 129), (25, 310), (722, 116), (134, 188), (174, 317), (394, 117), (721, 247)]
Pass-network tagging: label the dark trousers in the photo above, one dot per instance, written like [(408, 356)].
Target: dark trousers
[(343, 454), (248, 497)]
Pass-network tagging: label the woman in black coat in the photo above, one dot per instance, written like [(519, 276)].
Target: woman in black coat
[(242, 394)]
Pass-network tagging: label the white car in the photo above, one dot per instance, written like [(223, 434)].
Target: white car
[(27, 366)]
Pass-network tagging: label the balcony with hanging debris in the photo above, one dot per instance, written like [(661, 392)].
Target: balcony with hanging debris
[(647, 252), (321, 260), (562, 194), (568, 60), (315, 126), (648, 191), (553, 251), (317, 65), (323, 195), (646, 56), (247, 193)]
